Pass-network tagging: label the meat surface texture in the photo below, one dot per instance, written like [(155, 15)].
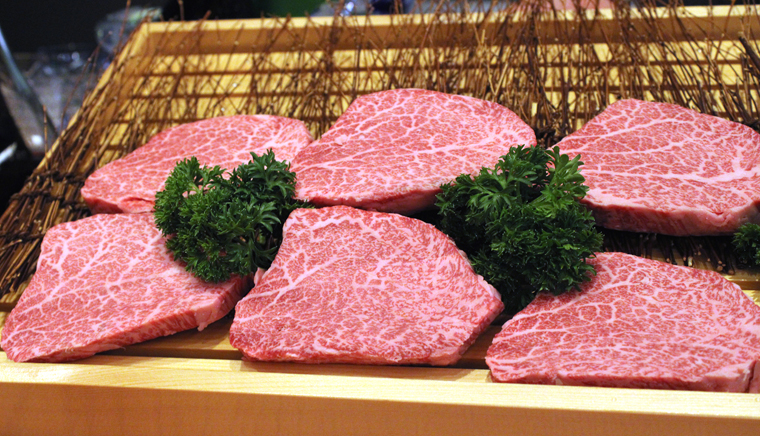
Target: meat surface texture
[(662, 168), (353, 286), (390, 151), (129, 184), (639, 324), (108, 281)]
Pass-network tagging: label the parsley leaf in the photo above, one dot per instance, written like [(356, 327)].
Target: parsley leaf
[(220, 226), (747, 244), (522, 225)]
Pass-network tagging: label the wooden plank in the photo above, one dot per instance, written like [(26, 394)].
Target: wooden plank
[(122, 395), (394, 372), (749, 281), (211, 343)]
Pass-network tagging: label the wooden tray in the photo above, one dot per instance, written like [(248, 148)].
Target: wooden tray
[(194, 382)]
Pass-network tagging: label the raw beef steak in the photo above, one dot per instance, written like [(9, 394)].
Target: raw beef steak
[(353, 286), (129, 184), (104, 282), (390, 151), (656, 167), (639, 323)]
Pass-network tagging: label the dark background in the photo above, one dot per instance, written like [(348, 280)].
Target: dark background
[(31, 24)]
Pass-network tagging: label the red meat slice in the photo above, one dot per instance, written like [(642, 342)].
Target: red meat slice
[(129, 184), (662, 168), (353, 286), (390, 151), (108, 281), (639, 324)]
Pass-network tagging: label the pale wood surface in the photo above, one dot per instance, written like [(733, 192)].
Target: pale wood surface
[(133, 395)]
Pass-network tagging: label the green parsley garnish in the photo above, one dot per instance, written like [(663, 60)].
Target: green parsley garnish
[(522, 225), (220, 226), (747, 245)]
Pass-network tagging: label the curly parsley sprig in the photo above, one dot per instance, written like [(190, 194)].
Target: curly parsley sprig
[(220, 226), (522, 225), (747, 245)]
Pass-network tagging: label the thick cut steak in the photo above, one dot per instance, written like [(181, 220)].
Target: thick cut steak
[(640, 324), (129, 184), (108, 281), (662, 168), (390, 151), (354, 286)]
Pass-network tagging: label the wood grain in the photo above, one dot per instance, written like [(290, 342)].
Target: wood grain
[(134, 395)]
